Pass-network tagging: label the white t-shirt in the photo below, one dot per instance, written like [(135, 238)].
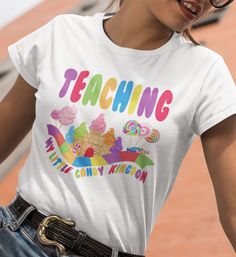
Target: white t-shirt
[(113, 124)]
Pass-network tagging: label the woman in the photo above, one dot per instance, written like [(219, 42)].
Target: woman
[(118, 100)]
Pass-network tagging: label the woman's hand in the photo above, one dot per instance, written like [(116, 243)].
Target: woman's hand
[(17, 113), (219, 145)]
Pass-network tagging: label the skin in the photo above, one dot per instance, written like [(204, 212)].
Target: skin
[(152, 19), (219, 145), (17, 115), (219, 142)]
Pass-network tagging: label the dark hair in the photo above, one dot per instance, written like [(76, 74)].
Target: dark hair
[(186, 33)]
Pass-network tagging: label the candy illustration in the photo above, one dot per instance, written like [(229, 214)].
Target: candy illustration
[(89, 152), (109, 137), (92, 145), (93, 142), (66, 116), (146, 130), (76, 149), (90, 159), (154, 137), (132, 128), (70, 135), (81, 131), (98, 125), (55, 114), (117, 147)]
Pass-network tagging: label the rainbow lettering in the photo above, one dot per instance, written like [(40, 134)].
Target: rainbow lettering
[(119, 96)]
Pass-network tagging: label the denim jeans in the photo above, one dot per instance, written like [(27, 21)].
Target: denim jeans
[(18, 239)]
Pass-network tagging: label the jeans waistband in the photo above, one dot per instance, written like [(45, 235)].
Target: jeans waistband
[(55, 230)]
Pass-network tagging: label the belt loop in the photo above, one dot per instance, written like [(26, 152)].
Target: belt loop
[(114, 252), (15, 225)]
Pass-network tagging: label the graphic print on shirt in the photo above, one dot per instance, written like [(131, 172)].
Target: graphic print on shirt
[(88, 145), (94, 146)]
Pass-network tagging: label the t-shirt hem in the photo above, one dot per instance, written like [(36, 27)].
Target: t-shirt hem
[(15, 58), (217, 119)]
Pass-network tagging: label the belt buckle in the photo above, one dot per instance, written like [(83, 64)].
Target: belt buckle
[(41, 232)]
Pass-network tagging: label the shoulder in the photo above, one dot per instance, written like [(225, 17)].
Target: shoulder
[(199, 56), (74, 19), (73, 24)]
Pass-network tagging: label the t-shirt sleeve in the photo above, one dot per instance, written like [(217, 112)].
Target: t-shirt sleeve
[(28, 53), (216, 100)]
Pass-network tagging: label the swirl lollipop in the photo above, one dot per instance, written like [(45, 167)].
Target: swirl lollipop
[(132, 128), (153, 138), (146, 131)]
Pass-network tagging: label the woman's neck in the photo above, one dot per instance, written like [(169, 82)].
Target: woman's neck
[(136, 28)]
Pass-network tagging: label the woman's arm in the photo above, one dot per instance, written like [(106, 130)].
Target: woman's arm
[(219, 145), (17, 113)]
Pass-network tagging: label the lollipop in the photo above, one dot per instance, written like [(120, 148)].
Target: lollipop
[(69, 112), (154, 137), (76, 149), (146, 131), (132, 128)]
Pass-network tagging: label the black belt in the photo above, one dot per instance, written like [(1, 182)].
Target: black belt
[(54, 230)]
